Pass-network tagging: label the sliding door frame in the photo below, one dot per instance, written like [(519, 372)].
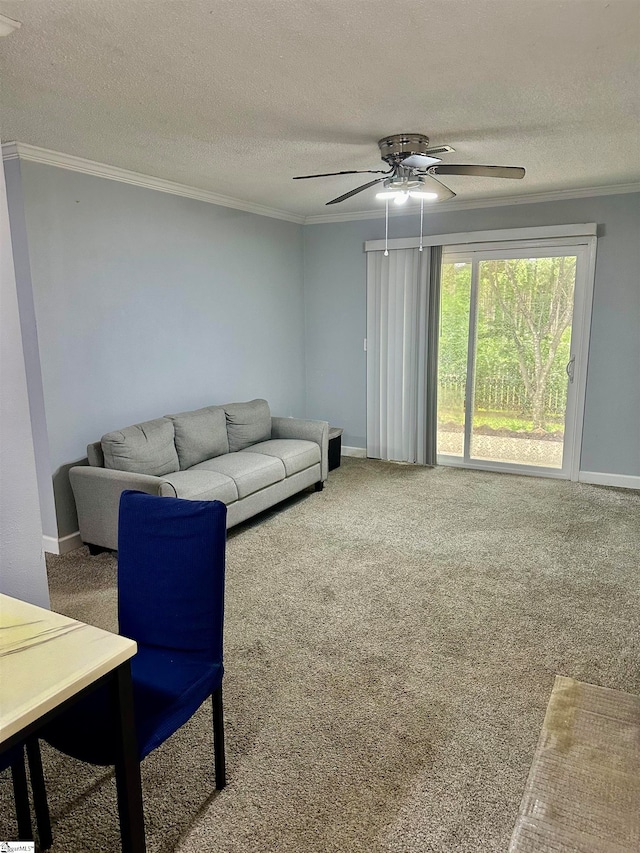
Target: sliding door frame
[(584, 249)]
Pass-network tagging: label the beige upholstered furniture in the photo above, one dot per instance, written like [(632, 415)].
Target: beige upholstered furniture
[(237, 453)]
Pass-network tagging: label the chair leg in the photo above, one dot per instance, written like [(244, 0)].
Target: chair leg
[(41, 806), (218, 738), (21, 795)]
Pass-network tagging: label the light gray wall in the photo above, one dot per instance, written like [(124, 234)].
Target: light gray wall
[(148, 303), (23, 573), (30, 346), (335, 317)]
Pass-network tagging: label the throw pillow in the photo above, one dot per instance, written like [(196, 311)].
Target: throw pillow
[(200, 435), (146, 448), (247, 423)]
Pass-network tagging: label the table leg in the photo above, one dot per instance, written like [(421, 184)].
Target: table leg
[(41, 806), (127, 763), (21, 794)]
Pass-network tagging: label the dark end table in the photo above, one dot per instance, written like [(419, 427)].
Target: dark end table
[(335, 447)]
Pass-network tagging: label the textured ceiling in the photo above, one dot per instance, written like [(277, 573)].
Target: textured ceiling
[(237, 96)]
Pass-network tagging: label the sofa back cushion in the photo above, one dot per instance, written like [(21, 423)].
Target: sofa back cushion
[(247, 423), (200, 435), (146, 448)]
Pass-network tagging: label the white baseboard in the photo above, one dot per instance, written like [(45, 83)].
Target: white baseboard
[(622, 481), (62, 546), (360, 452)]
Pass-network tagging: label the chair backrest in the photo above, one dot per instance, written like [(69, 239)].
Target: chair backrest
[(171, 562)]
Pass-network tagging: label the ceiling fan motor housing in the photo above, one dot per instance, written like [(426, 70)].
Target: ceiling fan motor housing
[(394, 149)]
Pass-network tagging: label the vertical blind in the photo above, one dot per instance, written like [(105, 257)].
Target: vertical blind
[(402, 324)]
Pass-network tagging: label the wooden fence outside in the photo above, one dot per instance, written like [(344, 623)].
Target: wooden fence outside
[(498, 394)]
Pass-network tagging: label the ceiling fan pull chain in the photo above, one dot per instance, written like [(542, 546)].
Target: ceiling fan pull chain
[(421, 221), (386, 229)]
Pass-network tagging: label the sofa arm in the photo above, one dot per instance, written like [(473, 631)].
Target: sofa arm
[(97, 493), (317, 431)]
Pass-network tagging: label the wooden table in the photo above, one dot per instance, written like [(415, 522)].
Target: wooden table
[(47, 661)]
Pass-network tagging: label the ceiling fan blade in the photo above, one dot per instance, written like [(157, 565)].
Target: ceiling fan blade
[(354, 192), (444, 193), (439, 149), (478, 171), (420, 161), (356, 172)]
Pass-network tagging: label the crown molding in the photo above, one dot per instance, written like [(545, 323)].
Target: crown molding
[(23, 151), (14, 150), (9, 150), (473, 203)]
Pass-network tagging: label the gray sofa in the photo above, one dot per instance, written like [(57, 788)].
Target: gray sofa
[(237, 453)]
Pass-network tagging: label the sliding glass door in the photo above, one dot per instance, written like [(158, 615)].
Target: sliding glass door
[(506, 397)]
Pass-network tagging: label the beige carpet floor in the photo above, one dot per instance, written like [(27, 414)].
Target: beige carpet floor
[(390, 645)]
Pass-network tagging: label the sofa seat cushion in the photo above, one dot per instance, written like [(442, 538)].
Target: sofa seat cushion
[(146, 448), (297, 455), (250, 471), (247, 423), (199, 486), (200, 435)]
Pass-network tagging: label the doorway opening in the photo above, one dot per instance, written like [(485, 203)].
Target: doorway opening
[(510, 329)]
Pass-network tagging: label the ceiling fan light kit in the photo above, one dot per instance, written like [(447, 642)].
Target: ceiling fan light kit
[(413, 169), (401, 190)]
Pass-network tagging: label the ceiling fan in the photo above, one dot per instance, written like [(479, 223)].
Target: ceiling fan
[(413, 171)]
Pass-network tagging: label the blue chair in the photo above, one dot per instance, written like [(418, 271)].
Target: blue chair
[(171, 561)]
